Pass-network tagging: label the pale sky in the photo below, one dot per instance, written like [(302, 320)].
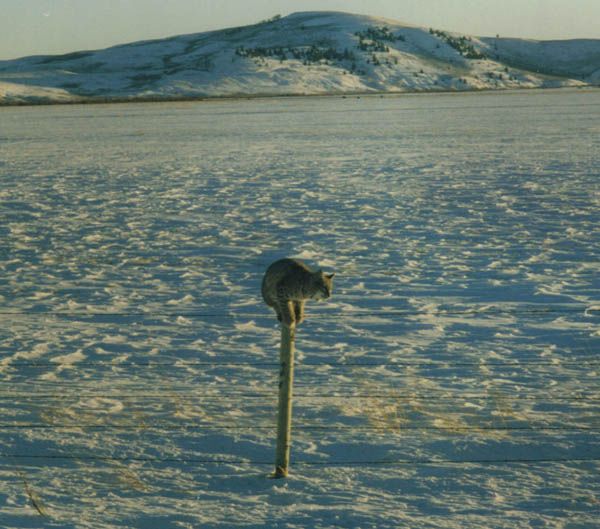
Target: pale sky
[(32, 27)]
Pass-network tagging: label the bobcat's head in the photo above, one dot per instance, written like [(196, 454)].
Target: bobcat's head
[(323, 285)]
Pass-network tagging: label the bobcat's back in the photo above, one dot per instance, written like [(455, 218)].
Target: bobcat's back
[(288, 283), (290, 275)]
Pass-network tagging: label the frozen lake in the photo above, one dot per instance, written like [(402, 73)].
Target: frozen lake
[(451, 381)]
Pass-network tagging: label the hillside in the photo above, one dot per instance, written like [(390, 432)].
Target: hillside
[(304, 53)]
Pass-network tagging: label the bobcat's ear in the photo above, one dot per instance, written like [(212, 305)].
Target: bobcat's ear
[(330, 276)]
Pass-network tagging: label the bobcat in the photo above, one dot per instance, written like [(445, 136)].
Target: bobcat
[(288, 283)]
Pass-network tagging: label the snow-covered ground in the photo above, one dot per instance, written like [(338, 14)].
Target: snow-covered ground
[(301, 54), (451, 381)]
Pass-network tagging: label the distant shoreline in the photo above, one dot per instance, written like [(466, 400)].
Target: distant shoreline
[(242, 97)]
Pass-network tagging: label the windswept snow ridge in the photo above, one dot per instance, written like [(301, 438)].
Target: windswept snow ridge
[(301, 54)]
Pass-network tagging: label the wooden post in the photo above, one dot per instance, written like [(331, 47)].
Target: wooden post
[(284, 416)]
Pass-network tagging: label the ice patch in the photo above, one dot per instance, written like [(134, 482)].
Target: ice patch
[(69, 359), (103, 405), (41, 295), (249, 326), (182, 301)]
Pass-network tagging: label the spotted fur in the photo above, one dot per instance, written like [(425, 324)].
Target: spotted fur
[(288, 283)]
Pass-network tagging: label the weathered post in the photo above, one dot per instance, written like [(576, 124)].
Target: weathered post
[(284, 415)]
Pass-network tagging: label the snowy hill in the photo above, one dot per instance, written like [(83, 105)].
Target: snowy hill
[(304, 53)]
